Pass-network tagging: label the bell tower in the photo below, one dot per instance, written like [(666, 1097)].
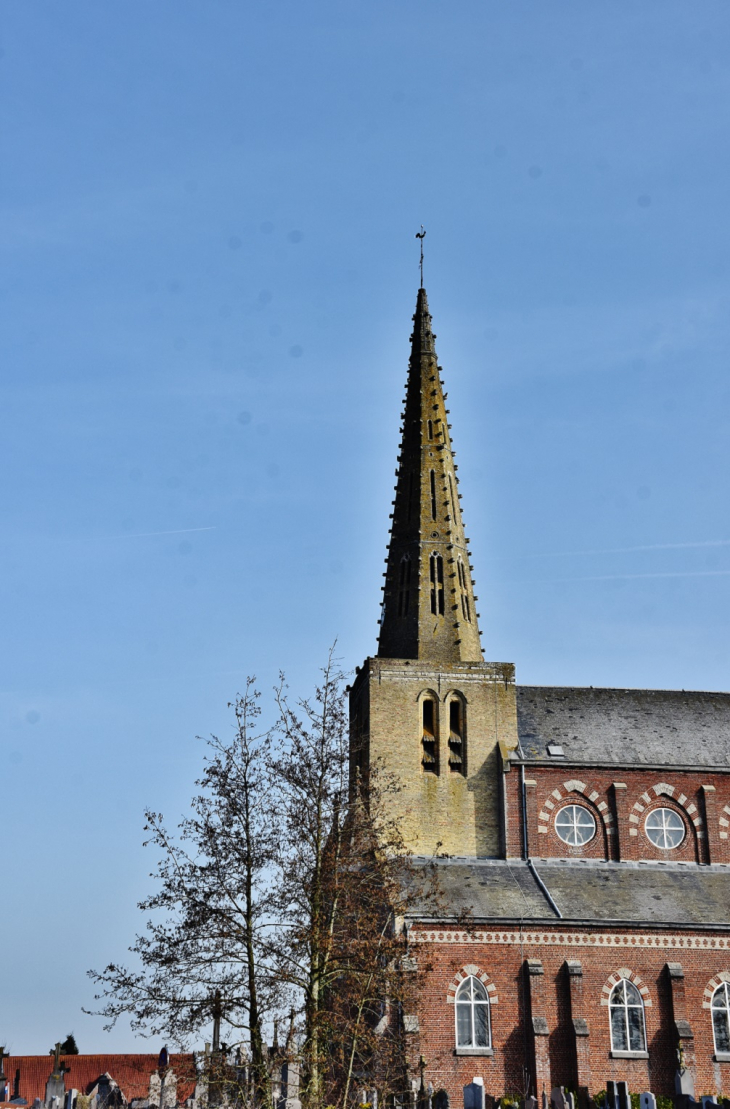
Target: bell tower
[(428, 709)]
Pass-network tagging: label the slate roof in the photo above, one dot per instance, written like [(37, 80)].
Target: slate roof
[(659, 894), (624, 727), (130, 1072)]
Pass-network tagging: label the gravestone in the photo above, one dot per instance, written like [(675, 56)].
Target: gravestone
[(684, 1082), (530, 1103), (441, 1100), (617, 1095), (558, 1100), (474, 1094), (708, 1102), (56, 1084), (647, 1101)]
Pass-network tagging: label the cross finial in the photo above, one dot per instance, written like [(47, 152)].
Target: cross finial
[(421, 235)]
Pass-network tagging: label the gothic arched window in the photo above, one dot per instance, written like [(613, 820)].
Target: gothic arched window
[(436, 574), (721, 1018), (628, 1032), (472, 1015)]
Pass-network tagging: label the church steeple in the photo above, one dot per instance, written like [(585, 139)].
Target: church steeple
[(428, 609)]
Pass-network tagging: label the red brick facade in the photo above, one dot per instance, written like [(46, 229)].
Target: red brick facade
[(564, 978), (620, 801)]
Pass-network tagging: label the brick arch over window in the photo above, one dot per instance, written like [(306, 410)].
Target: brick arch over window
[(615, 978), (574, 785), (468, 971), (664, 789), (712, 985), (725, 822)]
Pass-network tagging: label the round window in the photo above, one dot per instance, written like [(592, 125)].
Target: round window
[(575, 825), (664, 828)]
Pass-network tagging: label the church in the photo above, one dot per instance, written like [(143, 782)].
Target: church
[(581, 833)]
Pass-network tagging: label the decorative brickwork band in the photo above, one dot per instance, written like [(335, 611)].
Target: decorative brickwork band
[(576, 939)]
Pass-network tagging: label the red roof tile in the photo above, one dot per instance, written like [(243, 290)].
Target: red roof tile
[(130, 1072)]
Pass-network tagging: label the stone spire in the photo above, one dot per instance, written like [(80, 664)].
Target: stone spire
[(428, 604)]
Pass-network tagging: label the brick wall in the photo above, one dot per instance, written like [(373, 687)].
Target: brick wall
[(620, 800), (597, 961)]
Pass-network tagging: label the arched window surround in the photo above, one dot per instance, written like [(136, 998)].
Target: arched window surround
[(625, 973), (688, 810), (470, 970), (627, 1019), (717, 982), (457, 737), (429, 742), (591, 799)]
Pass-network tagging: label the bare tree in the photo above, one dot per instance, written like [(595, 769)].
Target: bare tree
[(346, 885), (206, 948), (287, 884)]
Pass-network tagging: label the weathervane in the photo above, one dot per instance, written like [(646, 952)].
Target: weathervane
[(421, 235)]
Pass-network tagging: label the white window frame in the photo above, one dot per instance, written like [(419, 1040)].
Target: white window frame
[(664, 809), (724, 989), (482, 1002), (584, 809), (625, 1005)]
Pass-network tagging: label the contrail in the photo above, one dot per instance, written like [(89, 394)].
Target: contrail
[(145, 534)]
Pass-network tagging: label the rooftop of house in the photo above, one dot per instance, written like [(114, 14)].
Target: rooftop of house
[(130, 1072), (680, 895), (624, 727)]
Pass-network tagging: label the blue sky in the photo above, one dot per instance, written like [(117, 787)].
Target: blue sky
[(208, 219)]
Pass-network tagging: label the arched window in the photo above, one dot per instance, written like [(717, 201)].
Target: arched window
[(429, 742), (404, 585), (433, 495), (430, 429), (472, 1015), (456, 737), (627, 1018), (436, 574), (721, 1018)]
